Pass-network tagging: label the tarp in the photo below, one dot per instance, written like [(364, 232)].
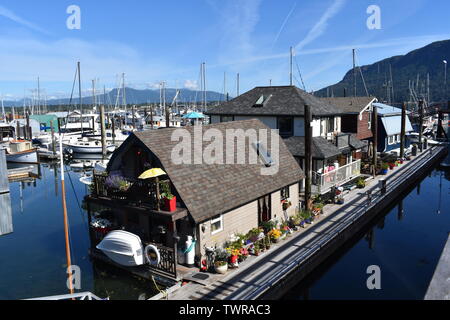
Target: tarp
[(393, 125)]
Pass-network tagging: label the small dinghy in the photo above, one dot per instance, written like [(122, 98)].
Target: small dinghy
[(126, 249)]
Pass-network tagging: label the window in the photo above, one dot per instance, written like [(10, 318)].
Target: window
[(216, 225), (261, 101), (285, 193), (392, 139), (226, 119), (370, 119), (330, 125), (286, 126)]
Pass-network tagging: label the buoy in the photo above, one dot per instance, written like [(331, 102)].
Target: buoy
[(152, 255)]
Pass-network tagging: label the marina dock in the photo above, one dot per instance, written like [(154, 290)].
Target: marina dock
[(272, 274), (439, 288)]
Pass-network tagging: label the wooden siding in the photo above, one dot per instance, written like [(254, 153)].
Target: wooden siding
[(364, 131), (240, 220)]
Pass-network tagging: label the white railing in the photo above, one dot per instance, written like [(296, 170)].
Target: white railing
[(76, 296), (337, 177)]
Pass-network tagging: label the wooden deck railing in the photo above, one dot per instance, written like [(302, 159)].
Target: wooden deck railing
[(168, 263)]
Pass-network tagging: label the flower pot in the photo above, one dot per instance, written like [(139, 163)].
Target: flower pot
[(221, 269), (384, 172), (170, 205)]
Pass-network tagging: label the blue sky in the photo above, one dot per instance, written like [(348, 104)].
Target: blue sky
[(152, 41)]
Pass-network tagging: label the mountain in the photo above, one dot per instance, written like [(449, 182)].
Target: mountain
[(406, 68), (134, 96)]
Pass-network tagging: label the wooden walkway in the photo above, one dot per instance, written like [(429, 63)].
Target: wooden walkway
[(277, 269), (439, 288)]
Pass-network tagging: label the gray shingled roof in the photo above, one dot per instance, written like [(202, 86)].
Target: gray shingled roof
[(350, 104), (211, 190), (281, 101), (356, 144), (321, 148)]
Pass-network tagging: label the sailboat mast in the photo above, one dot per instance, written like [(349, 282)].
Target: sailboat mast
[(81, 99), (291, 67), (66, 222), (39, 96), (354, 72), (3, 111)]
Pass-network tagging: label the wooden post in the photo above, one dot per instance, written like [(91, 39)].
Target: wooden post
[(158, 206), (167, 111), (151, 117), (421, 125), (133, 110), (28, 134), (403, 132), (103, 130), (113, 128), (18, 130), (308, 156), (6, 225), (375, 140), (53, 137)]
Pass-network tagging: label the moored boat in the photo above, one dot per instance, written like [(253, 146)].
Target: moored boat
[(20, 151)]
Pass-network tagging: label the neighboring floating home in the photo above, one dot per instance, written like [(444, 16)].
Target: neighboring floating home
[(357, 115), (212, 201), (390, 127), (282, 108)]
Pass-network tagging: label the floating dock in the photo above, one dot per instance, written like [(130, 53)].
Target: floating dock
[(439, 288), (6, 225), (273, 274)]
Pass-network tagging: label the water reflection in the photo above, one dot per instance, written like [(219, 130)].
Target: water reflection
[(38, 231)]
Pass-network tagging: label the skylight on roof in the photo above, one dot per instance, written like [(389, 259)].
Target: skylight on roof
[(265, 156), (261, 101)]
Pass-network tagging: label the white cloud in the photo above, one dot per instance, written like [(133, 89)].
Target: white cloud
[(12, 16), (320, 27), (191, 84)]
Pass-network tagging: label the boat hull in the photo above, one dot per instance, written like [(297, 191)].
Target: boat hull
[(123, 248), (29, 156), (89, 149)]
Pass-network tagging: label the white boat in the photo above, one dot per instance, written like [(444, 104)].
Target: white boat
[(124, 248), (85, 146), (21, 152)]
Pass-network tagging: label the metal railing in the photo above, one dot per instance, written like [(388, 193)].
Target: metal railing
[(326, 181), (75, 296)]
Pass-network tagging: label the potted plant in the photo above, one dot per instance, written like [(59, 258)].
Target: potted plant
[(361, 183), (384, 169), (117, 187), (170, 201), (275, 235), (257, 249), (221, 267), (391, 165), (340, 199), (286, 204)]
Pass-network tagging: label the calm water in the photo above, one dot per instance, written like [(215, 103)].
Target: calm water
[(406, 245), (32, 259)]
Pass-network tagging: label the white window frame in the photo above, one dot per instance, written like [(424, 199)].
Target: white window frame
[(214, 221), (392, 140)]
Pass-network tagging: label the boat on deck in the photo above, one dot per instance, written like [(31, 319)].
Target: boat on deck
[(21, 151), (124, 248)]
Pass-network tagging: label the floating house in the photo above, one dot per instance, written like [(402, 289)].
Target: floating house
[(213, 199), (336, 154), (357, 115), (390, 127)]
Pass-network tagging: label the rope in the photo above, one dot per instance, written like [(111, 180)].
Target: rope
[(163, 292)]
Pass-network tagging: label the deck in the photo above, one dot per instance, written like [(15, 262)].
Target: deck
[(272, 274), (439, 288)]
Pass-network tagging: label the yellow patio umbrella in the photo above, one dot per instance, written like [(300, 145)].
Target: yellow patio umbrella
[(154, 173)]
